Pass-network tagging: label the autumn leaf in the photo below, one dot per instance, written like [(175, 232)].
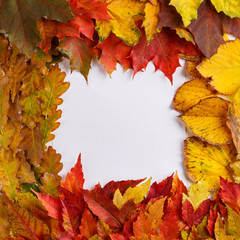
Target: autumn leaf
[(208, 37), (192, 71), (168, 16), (50, 184), (187, 9), (224, 65), (122, 23), (151, 20), (233, 223), (197, 193), (74, 180), (207, 162), (235, 166), (191, 93), (88, 227), (207, 120), (51, 162), (22, 16), (104, 208), (54, 87), (233, 120), (137, 194), (4, 104), (231, 10), (184, 33), (32, 144), (162, 51), (220, 231), (230, 194), (114, 50), (79, 52)]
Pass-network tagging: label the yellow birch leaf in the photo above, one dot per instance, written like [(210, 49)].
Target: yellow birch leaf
[(219, 230), (32, 144), (205, 162), (155, 213), (197, 193), (233, 223), (50, 184), (233, 120), (236, 171), (187, 9), (224, 68), (151, 20), (8, 170), (137, 194), (54, 87), (190, 93), (207, 120), (230, 8), (184, 33), (31, 110), (122, 24)]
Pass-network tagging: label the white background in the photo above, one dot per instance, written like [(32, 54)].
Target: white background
[(124, 128)]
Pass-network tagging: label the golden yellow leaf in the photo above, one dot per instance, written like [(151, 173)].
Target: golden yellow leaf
[(205, 162), (187, 9), (207, 120), (197, 193), (7, 135), (4, 103), (235, 166), (151, 20), (137, 194), (8, 170), (190, 93), (233, 223), (233, 120), (219, 230), (155, 212), (122, 24), (184, 33), (191, 67), (224, 68), (230, 8), (4, 216)]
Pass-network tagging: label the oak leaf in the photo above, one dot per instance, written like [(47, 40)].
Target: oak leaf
[(32, 144), (208, 162), (187, 9), (223, 65), (137, 194), (22, 16), (191, 93), (207, 120), (122, 13)]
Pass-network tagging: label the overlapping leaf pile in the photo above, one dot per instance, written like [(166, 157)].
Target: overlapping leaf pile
[(34, 202)]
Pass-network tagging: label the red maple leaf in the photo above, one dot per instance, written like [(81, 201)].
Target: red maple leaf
[(163, 51)]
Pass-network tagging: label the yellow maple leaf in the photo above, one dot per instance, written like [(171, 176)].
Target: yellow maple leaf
[(122, 23), (137, 194), (197, 193), (207, 120), (187, 9), (230, 8), (151, 20), (233, 120), (190, 93), (224, 68), (207, 162), (219, 230)]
